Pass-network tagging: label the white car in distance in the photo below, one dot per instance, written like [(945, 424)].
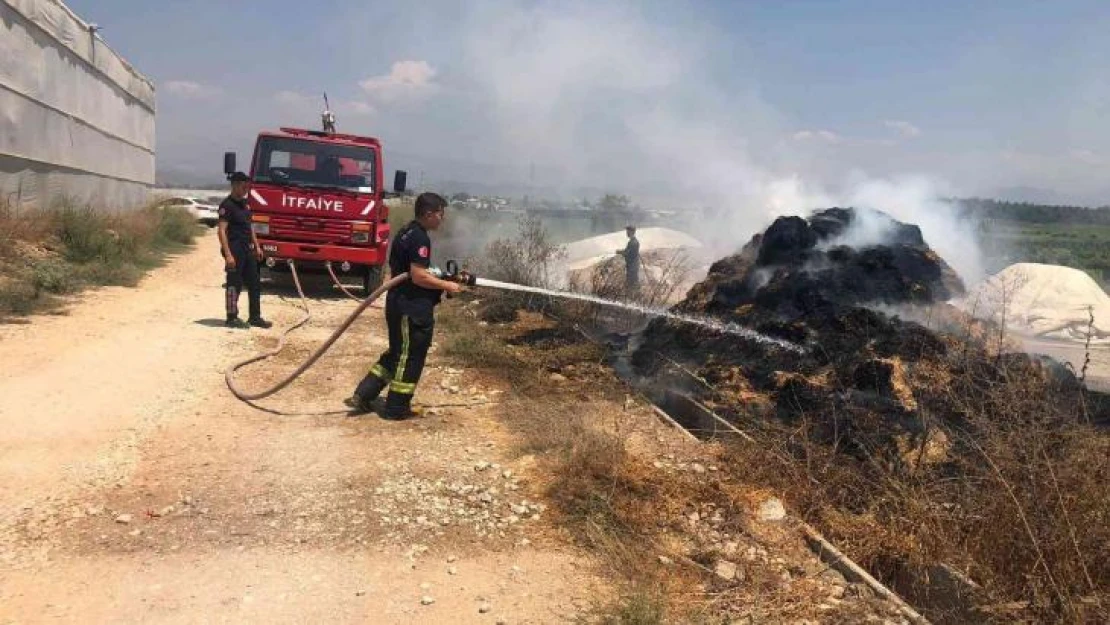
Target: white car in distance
[(204, 212)]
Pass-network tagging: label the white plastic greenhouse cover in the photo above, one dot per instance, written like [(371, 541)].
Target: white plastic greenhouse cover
[(76, 120)]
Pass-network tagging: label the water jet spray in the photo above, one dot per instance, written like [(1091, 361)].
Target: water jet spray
[(704, 322), (452, 272)]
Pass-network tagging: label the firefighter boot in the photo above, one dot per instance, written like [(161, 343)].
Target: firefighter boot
[(397, 407), (235, 322), (367, 391)]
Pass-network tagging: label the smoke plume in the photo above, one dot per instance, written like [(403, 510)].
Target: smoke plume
[(584, 98)]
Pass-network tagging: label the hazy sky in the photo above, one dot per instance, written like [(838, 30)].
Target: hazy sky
[(644, 97)]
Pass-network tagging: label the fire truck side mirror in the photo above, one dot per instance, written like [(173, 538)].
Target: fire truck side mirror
[(229, 163), (399, 179)]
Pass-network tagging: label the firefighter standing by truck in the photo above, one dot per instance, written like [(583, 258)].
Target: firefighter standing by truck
[(409, 314), (242, 254)]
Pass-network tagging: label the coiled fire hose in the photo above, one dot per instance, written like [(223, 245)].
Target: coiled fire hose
[(229, 376)]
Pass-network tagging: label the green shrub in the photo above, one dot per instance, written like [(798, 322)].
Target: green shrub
[(95, 248), (18, 298), (176, 226), (85, 234), (110, 273), (53, 276)]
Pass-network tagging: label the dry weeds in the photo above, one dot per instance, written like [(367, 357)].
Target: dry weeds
[(614, 501), (1012, 493), (46, 253)]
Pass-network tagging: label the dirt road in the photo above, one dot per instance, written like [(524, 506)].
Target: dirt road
[(134, 488)]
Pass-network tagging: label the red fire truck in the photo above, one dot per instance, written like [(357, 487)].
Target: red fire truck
[(318, 197)]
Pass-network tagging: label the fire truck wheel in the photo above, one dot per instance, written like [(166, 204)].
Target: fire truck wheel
[(372, 279)]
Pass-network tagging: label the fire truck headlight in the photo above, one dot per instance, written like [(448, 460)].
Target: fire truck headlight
[(360, 237), (261, 228)]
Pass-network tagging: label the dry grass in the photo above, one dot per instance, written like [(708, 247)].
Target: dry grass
[(599, 490), (46, 253), (524, 259), (637, 608), (613, 502), (1012, 490), (988, 464), (663, 272), (607, 493), (601, 495), (1002, 477)]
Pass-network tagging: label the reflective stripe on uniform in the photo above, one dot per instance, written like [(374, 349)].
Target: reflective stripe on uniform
[(404, 360), (381, 372), (403, 388)]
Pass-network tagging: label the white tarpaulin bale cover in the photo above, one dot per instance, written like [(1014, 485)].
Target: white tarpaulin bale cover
[(589, 252), (76, 120), (1048, 301)]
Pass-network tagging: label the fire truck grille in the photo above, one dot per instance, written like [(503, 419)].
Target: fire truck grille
[(310, 230)]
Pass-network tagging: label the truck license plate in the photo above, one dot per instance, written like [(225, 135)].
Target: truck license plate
[(269, 248)]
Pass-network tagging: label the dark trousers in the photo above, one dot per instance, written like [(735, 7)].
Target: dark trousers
[(245, 275), (632, 278), (400, 367)]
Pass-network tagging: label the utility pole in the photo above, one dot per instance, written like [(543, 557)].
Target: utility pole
[(420, 185)]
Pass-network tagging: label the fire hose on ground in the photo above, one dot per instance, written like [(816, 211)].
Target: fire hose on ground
[(452, 273), (338, 283), (824, 548), (229, 376)]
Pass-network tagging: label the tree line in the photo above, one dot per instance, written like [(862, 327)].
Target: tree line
[(1032, 213)]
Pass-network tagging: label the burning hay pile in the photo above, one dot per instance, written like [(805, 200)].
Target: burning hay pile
[(823, 284), (816, 283), (916, 449)]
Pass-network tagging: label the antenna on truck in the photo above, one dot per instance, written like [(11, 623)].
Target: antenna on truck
[(328, 117)]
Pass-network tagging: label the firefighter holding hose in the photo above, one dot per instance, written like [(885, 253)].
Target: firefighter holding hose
[(409, 314), (631, 254)]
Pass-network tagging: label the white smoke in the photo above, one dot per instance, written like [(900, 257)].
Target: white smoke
[(912, 199), (915, 199), (596, 95)]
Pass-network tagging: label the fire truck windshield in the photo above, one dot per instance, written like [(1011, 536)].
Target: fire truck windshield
[(302, 163)]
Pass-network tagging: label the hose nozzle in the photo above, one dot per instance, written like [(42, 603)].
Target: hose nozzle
[(451, 272)]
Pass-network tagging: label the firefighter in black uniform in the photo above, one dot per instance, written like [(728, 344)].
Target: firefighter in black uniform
[(241, 253), (409, 314)]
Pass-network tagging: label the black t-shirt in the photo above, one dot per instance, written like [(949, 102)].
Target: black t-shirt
[(632, 251), (238, 217), (412, 246)]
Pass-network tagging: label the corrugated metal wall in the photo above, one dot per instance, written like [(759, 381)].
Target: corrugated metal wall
[(76, 120)]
